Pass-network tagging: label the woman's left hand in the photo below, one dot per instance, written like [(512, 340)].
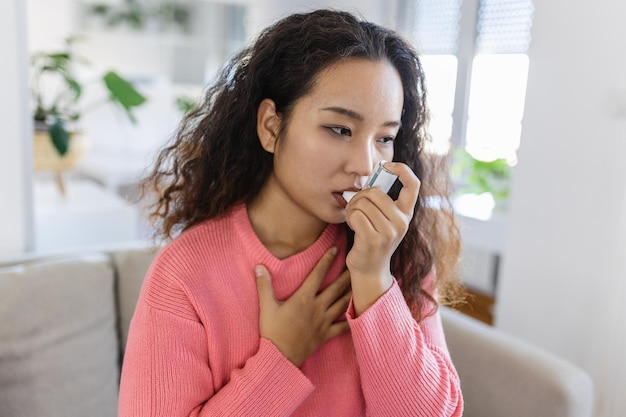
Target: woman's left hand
[(379, 225)]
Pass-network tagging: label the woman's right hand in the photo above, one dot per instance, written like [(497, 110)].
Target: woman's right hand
[(305, 321)]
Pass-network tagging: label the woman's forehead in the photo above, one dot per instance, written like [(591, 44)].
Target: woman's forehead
[(367, 87)]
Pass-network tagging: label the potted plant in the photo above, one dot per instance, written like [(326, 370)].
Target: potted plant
[(476, 176), (56, 93)]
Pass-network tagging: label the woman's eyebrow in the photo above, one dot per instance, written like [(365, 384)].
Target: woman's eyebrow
[(356, 116), (345, 112)]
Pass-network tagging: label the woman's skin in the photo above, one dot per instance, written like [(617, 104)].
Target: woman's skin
[(334, 137)]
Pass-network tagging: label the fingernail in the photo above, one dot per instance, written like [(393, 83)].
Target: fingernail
[(259, 271), (333, 250)]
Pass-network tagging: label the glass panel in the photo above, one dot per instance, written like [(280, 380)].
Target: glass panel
[(440, 73), (496, 107)]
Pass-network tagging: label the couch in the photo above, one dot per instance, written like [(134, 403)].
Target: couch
[(64, 321)]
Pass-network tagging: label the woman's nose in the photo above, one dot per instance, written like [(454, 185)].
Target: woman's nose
[(361, 160)]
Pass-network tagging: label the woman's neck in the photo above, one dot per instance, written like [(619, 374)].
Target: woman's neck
[(282, 227)]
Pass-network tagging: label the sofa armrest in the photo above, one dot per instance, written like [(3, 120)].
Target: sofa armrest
[(504, 376)]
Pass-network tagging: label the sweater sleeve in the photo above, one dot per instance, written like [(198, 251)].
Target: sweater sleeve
[(166, 373), (405, 368)]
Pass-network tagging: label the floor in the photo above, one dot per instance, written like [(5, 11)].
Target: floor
[(479, 306)]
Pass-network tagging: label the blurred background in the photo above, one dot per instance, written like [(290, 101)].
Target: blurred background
[(528, 97)]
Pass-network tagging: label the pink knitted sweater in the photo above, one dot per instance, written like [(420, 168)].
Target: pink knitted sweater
[(194, 347)]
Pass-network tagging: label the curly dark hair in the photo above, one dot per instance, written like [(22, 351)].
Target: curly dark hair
[(216, 161)]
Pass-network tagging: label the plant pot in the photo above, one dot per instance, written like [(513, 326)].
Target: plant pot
[(46, 157)]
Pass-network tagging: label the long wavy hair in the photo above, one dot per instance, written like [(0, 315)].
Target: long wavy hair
[(215, 160)]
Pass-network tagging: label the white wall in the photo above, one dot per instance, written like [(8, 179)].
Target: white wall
[(49, 23), (15, 141), (562, 279)]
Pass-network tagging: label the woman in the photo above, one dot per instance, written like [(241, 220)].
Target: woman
[(279, 298)]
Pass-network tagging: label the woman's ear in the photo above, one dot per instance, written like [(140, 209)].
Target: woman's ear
[(267, 124)]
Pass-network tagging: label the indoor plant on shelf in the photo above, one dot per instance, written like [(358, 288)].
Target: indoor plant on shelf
[(473, 176), (57, 109)]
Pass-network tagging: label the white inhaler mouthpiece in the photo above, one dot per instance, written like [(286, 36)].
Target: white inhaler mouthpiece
[(380, 177)]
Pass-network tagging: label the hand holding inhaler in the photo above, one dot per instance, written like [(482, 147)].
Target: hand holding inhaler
[(379, 224), (380, 177)]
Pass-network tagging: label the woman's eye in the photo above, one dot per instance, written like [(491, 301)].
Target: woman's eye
[(343, 131), (387, 140)]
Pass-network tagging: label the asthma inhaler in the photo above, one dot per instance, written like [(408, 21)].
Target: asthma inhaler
[(380, 177)]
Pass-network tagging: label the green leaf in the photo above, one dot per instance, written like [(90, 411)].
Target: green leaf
[(123, 93), (74, 86), (186, 104), (40, 114), (59, 56), (59, 136), (477, 176)]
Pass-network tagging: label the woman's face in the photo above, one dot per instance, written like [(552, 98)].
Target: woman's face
[(335, 136)]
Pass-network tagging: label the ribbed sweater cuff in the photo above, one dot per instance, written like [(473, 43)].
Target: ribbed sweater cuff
[(389, 315), (279, 386)]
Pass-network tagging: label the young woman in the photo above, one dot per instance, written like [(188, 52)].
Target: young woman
[(277, 297)]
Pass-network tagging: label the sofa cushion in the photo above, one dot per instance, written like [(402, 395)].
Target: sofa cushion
[(131, 266), (57, 327)]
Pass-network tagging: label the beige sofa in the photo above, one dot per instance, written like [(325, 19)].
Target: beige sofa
[(63, 327)]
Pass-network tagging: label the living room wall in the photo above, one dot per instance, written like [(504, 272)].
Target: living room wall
[(563, 279)]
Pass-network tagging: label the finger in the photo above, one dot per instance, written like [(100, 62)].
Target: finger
[(336, 289), (377, 208), (357, 220), (337, 329), (264, 287), (410, 186), (340, 306), (312, 283)]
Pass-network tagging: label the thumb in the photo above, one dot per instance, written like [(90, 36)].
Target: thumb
[(264, 286)]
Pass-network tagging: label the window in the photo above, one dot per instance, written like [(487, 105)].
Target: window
[(436, 32), (474, 56)]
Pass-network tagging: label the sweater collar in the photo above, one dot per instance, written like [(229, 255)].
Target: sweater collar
[(330, 236)]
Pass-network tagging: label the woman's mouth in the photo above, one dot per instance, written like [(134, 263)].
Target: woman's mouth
[(339, 197), (343, 197)]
